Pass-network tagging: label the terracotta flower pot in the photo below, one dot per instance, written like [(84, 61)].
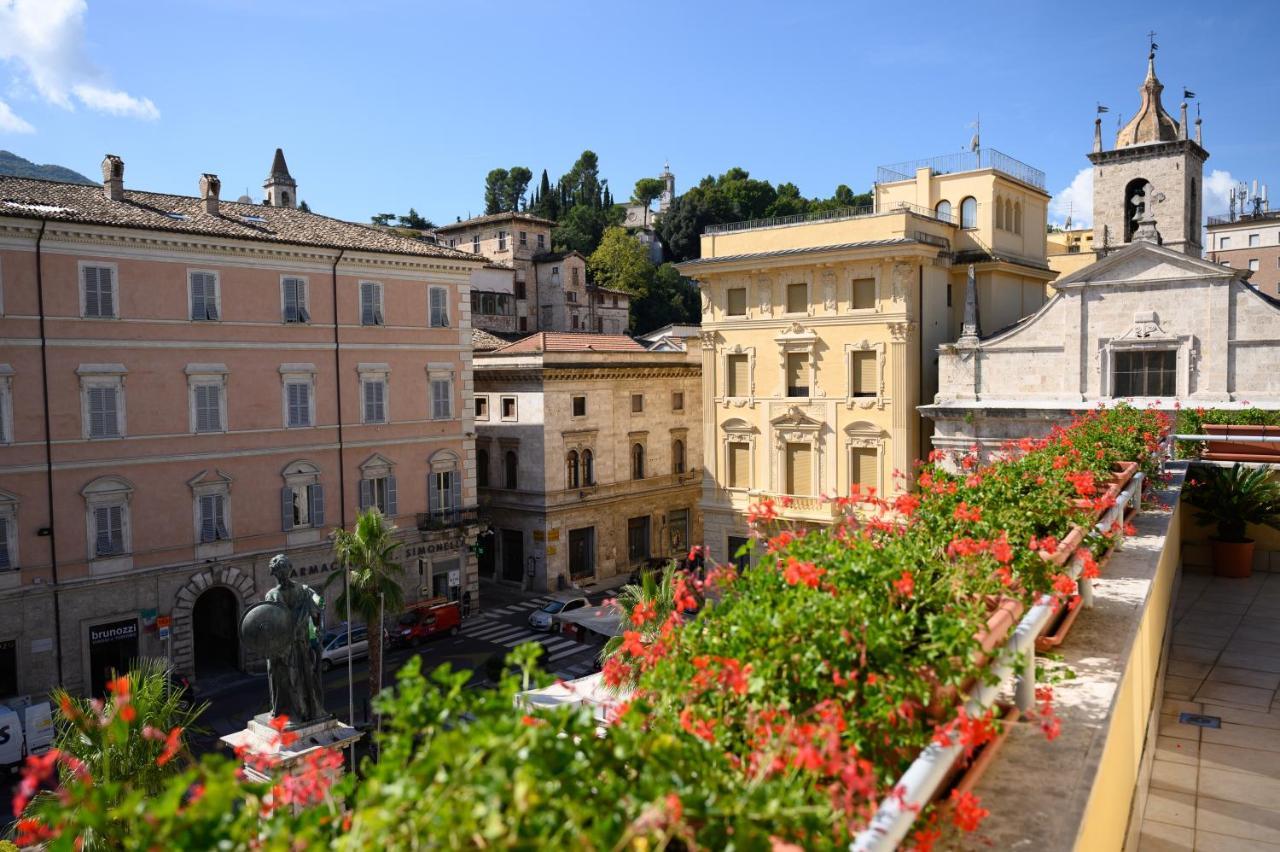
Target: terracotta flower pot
[(1064, 615), (964, 776), (1242, 451), (1232, 558)]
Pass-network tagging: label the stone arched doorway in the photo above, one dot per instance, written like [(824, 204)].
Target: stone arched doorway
[(240, 586), (215, 636)]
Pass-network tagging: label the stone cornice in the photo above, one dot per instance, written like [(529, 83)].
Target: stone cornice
[(486, 377), (1146, 151)]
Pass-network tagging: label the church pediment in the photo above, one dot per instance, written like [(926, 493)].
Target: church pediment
[(1144, 262)]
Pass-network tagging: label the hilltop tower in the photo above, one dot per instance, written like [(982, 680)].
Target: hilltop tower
[(1153, 148), (282, 189), (669, 188)]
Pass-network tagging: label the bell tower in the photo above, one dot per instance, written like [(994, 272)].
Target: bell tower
[(1154, 177), (282, 189)]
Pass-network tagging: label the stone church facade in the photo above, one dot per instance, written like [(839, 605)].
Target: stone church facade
[(1148, 321)]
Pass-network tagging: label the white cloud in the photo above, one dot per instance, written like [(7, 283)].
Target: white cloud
[(1217, 192), (12, 123), (45, 41), (116, 103), (1075, 201)]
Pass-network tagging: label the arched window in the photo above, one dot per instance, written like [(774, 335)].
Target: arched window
[(571, 470), (969, 213), (1195, 211), (1131, 190), (588, 468), (943, 210), (1000, 220), (512, 465), (637, 461), (482, 468), (677, 456), (1017, 218)]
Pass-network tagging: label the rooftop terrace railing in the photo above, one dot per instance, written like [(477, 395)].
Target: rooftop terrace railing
[(1229, 218), (829, 216), (963, 161)]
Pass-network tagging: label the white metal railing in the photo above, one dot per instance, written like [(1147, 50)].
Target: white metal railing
[(920, 783)]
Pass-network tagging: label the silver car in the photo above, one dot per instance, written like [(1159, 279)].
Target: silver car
[(544, 618), (335, 647)]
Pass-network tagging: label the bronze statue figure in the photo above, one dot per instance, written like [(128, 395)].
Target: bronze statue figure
[(286, 629)]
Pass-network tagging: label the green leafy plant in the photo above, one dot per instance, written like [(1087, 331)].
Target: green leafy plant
[(1233, 497)]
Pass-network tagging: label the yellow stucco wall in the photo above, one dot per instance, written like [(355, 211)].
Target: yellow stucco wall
[(1106, 817)]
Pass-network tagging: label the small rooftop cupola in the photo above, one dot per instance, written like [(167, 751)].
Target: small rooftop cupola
[(1151, 123), (210, 186), (282, 189), (113, 177)]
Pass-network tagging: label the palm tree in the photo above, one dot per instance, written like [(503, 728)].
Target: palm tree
[(656, 590), (139, 756), (366, 552)]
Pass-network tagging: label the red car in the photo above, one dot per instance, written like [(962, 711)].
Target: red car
[(425, 620)]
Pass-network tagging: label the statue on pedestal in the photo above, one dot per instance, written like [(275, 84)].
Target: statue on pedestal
[(285, 628)]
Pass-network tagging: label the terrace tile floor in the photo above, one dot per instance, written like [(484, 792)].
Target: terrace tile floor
[(1219, 789)]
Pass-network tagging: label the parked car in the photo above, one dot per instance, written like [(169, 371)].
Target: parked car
[(335, 649), (427, 619), (544, 618)]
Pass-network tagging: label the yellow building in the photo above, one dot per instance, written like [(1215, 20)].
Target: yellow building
[(820, 333), (1070, 250)]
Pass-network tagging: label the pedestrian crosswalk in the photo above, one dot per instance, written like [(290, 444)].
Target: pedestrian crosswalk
[(513, 609), (511, 635)]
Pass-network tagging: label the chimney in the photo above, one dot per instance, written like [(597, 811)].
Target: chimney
[(113, 177), (210, 186)]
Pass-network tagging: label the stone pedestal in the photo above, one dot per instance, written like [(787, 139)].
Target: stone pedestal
[(264, 745)]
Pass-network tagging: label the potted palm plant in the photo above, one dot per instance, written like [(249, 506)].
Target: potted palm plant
[(1232, 498)]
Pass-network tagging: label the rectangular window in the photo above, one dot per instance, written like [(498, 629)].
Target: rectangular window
[(520, 291), (798, 374), (864, 294), (208, 401), (524, 238), (638, 539), (303, 506), (370, 303), (295, 300), (108, 530), (677, 400), (736, 375), (441, 399), (508, 408), (637, 403), (482, 407), (298, 400), (380, 493), (736, 302), (799, 474), (1253, 265), (213, 518), (862, 373), (6, 549), (542, 241), (439, 302), (1254, 240), (375, 401), (99, 291), (579, 406), (104, 412), (1146, 373), (1224, 242), (502, 241), (571, 296), (574, 274), (864, 467), (797, 298), (475, 243), (204, 296), (739, 464)]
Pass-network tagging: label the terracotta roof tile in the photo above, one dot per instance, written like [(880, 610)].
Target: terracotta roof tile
[(565, 341), (68, 202), (493, 217)]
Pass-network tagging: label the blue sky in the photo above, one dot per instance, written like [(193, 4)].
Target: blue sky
[(384, 105)]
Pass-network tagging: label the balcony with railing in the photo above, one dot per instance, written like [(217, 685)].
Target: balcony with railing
[(832, 215), (447, 519), (963, 161)]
